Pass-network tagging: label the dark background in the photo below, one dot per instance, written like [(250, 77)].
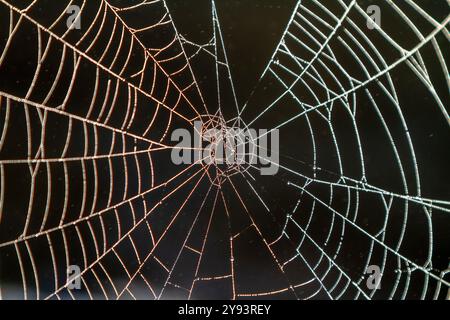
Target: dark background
[(251, 31)]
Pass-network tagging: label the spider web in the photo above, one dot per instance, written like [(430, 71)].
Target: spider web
[(85, 176)]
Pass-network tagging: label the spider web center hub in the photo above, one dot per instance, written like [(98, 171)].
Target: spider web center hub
[(228, 147)]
